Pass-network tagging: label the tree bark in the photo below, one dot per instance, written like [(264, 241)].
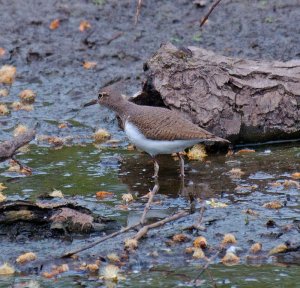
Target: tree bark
[(242, 100), (10, 147)]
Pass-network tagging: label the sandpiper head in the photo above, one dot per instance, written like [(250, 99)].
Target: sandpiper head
[(109, 96)]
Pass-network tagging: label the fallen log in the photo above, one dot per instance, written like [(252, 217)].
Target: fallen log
[(242, 100), (51, 218)]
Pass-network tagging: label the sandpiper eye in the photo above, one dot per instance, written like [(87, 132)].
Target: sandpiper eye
[(102, 94)]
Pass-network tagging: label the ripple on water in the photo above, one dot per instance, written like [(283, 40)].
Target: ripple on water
[(261, 176)]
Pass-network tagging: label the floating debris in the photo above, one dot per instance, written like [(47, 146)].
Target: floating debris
[(245, 151), (236, 173), (278, 249), (3, 93), (8, 74), (6, 269), (3, 109), (198, 152), (56, 194), (180, 238), (101, 135), (230, 259), (273, 205), (198, 253), (20, 129), (229, 239), (212, 203), (104, 194), (255, 248), (84, 25), (26, 257), (130, 244), (27, 96), (200, 242), (127, 197)]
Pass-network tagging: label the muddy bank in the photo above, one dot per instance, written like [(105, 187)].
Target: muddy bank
[(50, 62)]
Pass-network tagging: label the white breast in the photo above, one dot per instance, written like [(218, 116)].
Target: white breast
[(154, 147)]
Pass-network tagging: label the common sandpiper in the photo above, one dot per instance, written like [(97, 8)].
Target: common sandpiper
[(155, 130)]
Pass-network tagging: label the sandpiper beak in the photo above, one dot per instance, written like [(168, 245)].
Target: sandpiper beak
[(92, 102)]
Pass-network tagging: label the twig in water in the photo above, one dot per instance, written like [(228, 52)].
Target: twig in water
[(138, 11), (143, 231), (102, 239), (204, 268), (212, 7), (151, 195), (114, 37)]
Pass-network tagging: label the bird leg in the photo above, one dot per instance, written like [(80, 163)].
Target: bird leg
[(181, 164), (156, 167)]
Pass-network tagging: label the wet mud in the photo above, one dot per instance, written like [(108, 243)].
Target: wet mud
[(50, 62)]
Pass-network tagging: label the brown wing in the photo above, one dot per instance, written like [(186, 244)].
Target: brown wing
[(163, 124)]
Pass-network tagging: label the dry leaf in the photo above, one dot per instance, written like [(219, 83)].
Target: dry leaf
[(21, 106), (2, 51), (2, 187), (56, 194), (200, 242), (7, 74), (275, 184), (113, 257), (180, 238), (245, 188), (198, 253), (230, 259), (198, 152), (296, 175), (291, 184), (244, 151), (130, 147), (236, 173), (273, 205), (3, 109), (26, 257), (189, 250), (104, 194), (127, 197), (2, 197), (90, 267), (54, 24), (6, 269), (255, 248), (251, 212), (122, 207), (20, 129), (84, 25), (278, 249), (3, 93), (111, 272), (27, 96), (101, 135), (229, 239), (56, 270), (89, 64), (62, 125), (130, 244), (212, 203)]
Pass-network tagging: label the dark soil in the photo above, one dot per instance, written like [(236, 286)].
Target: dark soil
[(50, 61)]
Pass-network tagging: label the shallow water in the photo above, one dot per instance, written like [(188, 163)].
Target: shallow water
[(80, 171)]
